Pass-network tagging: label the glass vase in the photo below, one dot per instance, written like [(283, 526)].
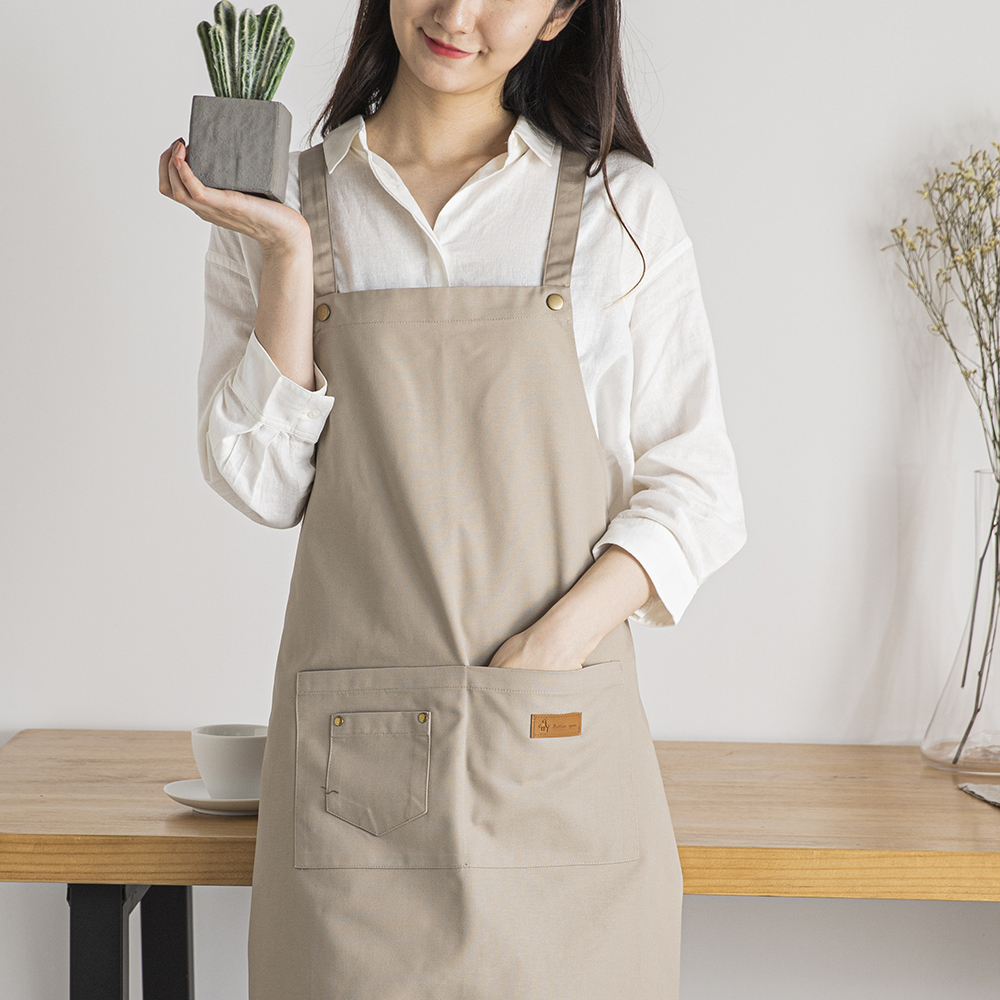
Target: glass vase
[(964, 732)]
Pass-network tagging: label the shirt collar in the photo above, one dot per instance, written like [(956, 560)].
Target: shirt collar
[(338, 142), (542, 145)]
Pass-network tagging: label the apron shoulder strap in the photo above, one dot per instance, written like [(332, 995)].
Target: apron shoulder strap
[(562, 232), (565, 218), (316, 211)]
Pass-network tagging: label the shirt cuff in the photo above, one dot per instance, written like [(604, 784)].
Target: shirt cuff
[(278, 401), (660, 555)]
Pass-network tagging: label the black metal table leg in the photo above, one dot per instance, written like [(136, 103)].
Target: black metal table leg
[(167, 943), (98, 939)]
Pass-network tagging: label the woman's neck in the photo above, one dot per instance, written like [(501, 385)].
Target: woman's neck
[(419, 127)]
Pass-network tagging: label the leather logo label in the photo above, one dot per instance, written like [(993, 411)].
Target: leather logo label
[(567, 724)]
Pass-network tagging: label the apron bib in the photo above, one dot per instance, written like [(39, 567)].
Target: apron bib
[(432, 828)]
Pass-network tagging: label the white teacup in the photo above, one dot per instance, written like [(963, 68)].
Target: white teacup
[(230, 759)]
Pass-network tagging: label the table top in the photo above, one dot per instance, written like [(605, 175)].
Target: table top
[(87, 805), (750, 818), (807, 819)]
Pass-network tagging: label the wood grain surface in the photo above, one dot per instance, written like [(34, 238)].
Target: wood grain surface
[(772, 819), (79, 805), (787, 819)]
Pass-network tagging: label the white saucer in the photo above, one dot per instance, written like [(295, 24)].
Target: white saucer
[(194, 794)]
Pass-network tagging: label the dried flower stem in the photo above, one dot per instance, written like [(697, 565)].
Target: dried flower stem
[(963, 249)]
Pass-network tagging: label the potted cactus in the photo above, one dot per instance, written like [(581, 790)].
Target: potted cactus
[(239, 138)]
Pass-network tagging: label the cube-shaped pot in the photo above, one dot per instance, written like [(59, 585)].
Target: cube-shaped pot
[(240, 145)]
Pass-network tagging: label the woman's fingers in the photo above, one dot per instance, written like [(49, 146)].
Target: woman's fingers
[(174, 186), (164, 169), (178, 190), (186, 189), (259, 218), (177, 179), (192, 185)]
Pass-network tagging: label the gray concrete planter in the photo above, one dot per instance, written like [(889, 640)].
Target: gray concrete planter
[(240, 145)]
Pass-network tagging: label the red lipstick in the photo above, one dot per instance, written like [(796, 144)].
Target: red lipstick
[(440, 49)]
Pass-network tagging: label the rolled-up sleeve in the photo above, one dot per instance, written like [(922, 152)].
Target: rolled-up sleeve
[(685, 515), (257, 429)]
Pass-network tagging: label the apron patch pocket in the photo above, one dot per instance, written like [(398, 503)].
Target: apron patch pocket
[(378, 767), (381, 787), (568, 800)]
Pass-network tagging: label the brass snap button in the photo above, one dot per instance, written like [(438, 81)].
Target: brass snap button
[(322, 312), (338, 720), (554, 301), (422, 717)]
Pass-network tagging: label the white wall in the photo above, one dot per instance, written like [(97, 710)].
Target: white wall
[(793, 135)]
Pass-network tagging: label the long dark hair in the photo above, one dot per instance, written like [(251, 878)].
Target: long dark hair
[(571, 87)]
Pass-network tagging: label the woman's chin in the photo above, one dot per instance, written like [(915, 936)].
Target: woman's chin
[(432, 75)]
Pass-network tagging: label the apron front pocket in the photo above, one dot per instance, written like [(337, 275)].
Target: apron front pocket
[(550, 768), (521, 769), (380, 788), (379, 763)]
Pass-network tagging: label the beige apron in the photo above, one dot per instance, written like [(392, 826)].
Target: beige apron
[(432, 828)]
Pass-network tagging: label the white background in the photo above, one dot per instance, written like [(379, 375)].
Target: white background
[(793, 135)]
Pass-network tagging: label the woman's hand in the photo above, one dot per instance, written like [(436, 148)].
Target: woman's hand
[(538, 648), (273, 225), (611, 589)]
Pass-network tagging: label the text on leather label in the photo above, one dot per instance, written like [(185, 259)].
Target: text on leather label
[(567, 724)]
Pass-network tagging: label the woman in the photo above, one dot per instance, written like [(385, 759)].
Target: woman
[(483, 380)]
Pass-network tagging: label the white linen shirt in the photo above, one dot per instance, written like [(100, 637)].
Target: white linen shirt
[(646, 357)]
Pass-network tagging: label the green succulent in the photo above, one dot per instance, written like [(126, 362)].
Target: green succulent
[(246, 55)]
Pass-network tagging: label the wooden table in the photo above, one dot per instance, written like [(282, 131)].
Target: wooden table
[(807, 819), (86, 807)]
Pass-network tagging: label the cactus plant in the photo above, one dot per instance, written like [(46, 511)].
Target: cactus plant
[(239, 138), (246, 55)]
